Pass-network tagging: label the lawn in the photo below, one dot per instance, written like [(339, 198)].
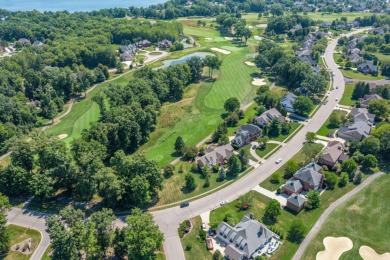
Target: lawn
[(300, 157), (327, 128), (46, 254), (247, 149), (282, 137), (264, 152), (382, 57), (326, 17), (347, 100), (338, 59), (198, 247), (357, 75), (19, 234), (364, 219)]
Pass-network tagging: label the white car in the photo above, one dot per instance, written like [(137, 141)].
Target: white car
[(224, 202), (278, 160), (337, 99), (203, 225)]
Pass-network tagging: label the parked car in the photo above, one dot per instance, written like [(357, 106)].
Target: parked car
[(337, 87), (325, 102), (337, 99), (224, 202), (203, 225), (278, 160), (184, 204), (254, 147)]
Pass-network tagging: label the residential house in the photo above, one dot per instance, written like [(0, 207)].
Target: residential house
[(288, 102), (144, 44), (310, 177), (362, 114), (357, 130), (355, 58), (351, 45), (164, 44), (325, 24), (245, 239), (38, 43), (333, 153), (368, 68), (296, 202), (356, 51), (127, 52), (378, 30), (217, 156), (295, 28), (24, 41), (365, 102), (246, 134), (292, 186), (266, 117)]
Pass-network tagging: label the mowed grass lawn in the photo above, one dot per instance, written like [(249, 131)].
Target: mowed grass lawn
[(364, 219), (347, 100), (263, 152), (198, 247), (327, 127), (326, 17), (357, 75), (19, 234)]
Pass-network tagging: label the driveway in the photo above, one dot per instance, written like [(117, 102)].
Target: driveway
[(272, 195)]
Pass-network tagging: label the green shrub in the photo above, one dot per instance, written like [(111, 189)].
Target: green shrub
[(202, 234), (181, 235)]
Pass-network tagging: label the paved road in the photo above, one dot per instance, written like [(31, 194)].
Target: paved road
[(314, 230), (169, 219)]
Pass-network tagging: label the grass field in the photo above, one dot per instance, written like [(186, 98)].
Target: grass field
[(364, 219), (264, 152), (357, 75), (198, 247), (46, 254), (19, 234), (347, 100), (282, 137), (382, 57), (327, 127), (326, 17), (300, 157)]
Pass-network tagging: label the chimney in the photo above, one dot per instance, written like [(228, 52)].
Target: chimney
[(339, 147), (251, 216)]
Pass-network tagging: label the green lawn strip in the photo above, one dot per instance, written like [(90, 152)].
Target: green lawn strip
[(347, 100), (299, 157), (174, 191), (357, 75), (247, 149), (198, 247), (293, 134), (46, 254), (282, 137), (338, 58), (384, 58), (263, 152), (327, 128), (19, 234), (328, 17), (160, 256), (364, 219), (272, 152)]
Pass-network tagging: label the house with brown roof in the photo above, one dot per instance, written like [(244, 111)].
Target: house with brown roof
[(332, 154), (310, 177), (217, 156), (266, 117), (246, 134), (296, 202), (366, 100)]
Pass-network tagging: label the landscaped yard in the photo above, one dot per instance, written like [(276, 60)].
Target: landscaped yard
[(198, 247), (327, 127), (382, 57), (347, 100), (328, 17), (300, 157), (364, 219), (19, 234), (282, 137), (264, 152), (357, 75)]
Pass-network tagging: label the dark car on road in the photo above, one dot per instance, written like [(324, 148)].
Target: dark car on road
[(184, 204)]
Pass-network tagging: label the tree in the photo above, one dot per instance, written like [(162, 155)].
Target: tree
[(335, 119), (207, 181), (42, 186), (286, 127), (190, 182), (370, 161), (196, 67), (242, 155), (344, 179), (349, 166), (190, 152), (276, 178), (310, 137), (263, 142), (272, 211), (247, 33), (142, 235), (103, 221), (358, 178), (313, 199), (385, 145), (274, 128), (169, 170), (303, 105), (331, 180), (121, 249), (232, 104), (217, 255), (4, 234), (234, 165), (119, 68), (379, 108), (221, 173), (180, 145), (297, 231), (370, 145), (290, 168), (213, 63)]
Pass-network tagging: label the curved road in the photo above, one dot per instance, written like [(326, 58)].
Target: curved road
[(314, 230), (168, 219)]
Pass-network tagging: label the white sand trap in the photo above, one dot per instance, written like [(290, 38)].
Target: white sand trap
[(208, 38), (250, 27), (334, 248), (251, 64), (63, 136), (221, 50), (367, 253), (229, 38), (258, 82)]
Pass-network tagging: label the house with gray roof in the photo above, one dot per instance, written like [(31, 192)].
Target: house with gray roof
[(246, 134), (368, 68), (362, 114), (288, 102), (266, 117), (292, 186), (217, 156), (164, 44), (296, 202), (332, 154), (365, 102), (245, 239), (356, 130), (24, 41), (310, 176), (37, 43)]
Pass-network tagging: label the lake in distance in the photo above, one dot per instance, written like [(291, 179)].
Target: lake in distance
[(72, 5)]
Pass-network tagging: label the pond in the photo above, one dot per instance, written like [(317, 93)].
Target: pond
[(183, 59)]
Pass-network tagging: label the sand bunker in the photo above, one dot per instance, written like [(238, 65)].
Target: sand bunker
[(221, 50), (251, 64), (250, 27), (63, 136), (258, 38), (334, 248), (263, 25), (258, 82), (208, 38), (229, 38), (367, 253)]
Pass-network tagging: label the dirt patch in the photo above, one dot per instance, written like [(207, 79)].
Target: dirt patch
[(258, 82), (229, 38), (354, 208), (62, 136), (334, 248), (250, 64), (367, 253), (221, 50), (23, 247)]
